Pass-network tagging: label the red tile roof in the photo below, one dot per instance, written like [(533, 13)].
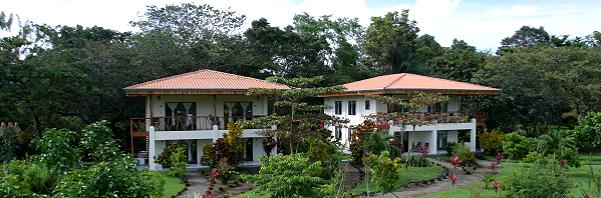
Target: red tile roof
[(203, 81), (406, 82)]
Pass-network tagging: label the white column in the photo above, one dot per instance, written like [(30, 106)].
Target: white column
[(216, 133), (151, 148), (433, 142), (473, 135)]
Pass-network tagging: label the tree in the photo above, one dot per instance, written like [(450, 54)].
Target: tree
[(526, 36), (344, 37), (540, 86), (190, 23), (588, 132), (390, 43), (459, 62), (287, 53), (297, 119), (384, 171), (288, 176)]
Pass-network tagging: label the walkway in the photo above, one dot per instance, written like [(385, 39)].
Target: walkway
[(444, 185), (198, 184)]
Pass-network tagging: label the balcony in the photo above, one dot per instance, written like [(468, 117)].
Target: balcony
[(184, 123)]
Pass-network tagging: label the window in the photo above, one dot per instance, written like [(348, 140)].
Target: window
[(367, 105), (350, 133), (180, 116), (352, 108), (439, 107), (338, 133), (338, 107), (233, 111)]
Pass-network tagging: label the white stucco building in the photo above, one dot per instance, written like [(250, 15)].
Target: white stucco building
[(353, 104), (194, 109)]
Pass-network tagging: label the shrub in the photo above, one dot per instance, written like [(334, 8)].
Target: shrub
[(116, 178), (547, 179), (516, 145), (8, 143), (449, 148), (318, 151), (288, 176), (384, 171), (231, 147), (374, 144), (165, 157), (416, 161), (492, 142), (468, 159), (588, 132), (358, 138), (23, 179), (60, 149), (178, 162)]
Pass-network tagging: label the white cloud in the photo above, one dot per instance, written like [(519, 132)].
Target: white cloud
[(480, 25)]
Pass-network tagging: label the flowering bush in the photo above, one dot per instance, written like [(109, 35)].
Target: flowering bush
[(231, 147), (468, 159), (491, 142), (165, 159), (358, 139)]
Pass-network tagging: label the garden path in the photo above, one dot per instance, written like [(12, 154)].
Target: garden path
[(462, 180), (198, 185)]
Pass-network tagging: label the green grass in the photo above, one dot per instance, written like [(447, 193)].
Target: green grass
[(580, 179), (251, 194), (173, 185), (411, 174), (591, 158)]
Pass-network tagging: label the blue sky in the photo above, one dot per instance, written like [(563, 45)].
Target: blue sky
[(482, 23)]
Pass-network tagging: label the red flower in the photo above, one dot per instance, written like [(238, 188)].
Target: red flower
[(455, 160), (496, 185), (563, 162), (453, 179), (207, 194), (585, 195), (423, 150), (499, 157)]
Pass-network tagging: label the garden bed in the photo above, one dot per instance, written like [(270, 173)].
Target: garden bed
[(410, 175)]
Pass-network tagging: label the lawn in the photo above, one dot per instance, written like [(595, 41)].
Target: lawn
[(591, 158), (580, 179), (173, 185), (411, 174)]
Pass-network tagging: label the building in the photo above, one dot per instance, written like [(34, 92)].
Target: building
[(194, 108), (353, 104)]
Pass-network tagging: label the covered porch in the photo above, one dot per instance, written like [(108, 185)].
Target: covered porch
[(435, 137)]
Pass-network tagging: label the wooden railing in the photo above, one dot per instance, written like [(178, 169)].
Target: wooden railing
[(184, 123)]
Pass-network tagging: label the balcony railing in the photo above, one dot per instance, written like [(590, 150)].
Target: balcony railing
[(427, 118), (184, 123)]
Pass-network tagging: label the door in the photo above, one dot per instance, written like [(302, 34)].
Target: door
[(248, 151)]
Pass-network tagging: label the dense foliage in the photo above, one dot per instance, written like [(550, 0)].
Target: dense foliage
[(288, 176), (59, 168), (492, 141), (229, 148), (545, 178), (516, 146), (588, 132)]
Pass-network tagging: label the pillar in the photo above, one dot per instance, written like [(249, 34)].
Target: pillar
[(151, 148), (433, 142), (473, 135), (216, 133)]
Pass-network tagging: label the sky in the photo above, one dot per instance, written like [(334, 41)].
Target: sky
[(482, 23)]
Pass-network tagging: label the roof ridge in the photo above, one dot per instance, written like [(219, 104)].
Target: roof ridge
[(199, 71), (166, 78), (395, 80), (452, 80)]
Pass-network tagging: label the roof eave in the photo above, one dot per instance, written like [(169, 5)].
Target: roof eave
[(414, 91)]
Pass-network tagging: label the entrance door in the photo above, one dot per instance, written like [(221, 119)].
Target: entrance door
[(441, 140), (248, 152)]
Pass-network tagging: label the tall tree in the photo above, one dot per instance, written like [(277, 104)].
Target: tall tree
[(343, 53), (459, 62), (190, 23), (390, 43), (285, 52), (526, 36)]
